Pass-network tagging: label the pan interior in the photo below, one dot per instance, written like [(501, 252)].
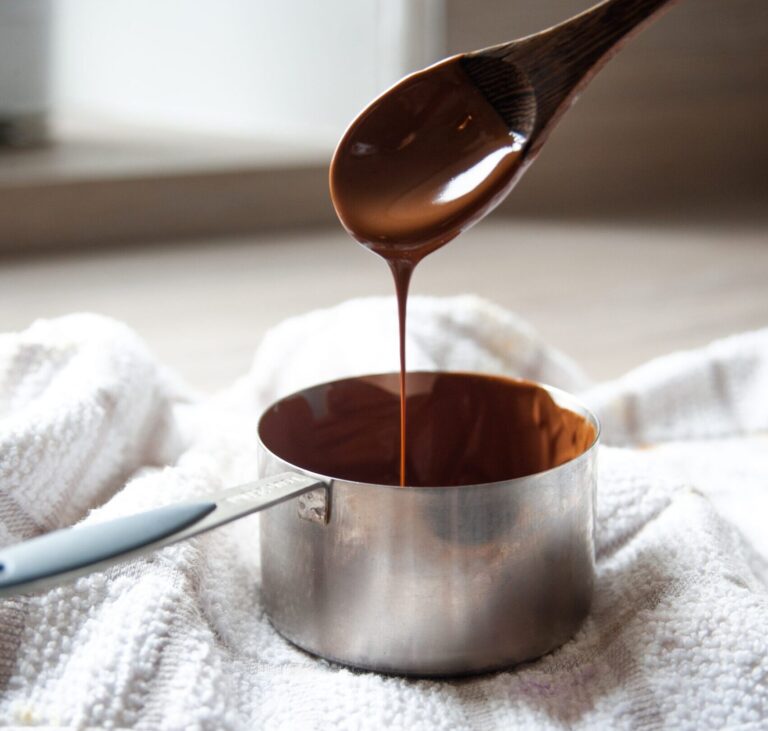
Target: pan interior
[(462, 429)]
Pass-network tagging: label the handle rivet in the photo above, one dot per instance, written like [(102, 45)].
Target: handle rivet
[(313, 506)]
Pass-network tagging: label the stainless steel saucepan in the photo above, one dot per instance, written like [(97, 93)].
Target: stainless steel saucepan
[(428, 581)]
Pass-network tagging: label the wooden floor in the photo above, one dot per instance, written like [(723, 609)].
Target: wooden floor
[(610, 297)]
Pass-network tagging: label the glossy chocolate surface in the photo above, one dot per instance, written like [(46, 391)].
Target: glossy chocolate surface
[(422, 163), (464, 429)]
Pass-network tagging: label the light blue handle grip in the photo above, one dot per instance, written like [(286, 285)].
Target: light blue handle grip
[(66, 554), (71, 549)]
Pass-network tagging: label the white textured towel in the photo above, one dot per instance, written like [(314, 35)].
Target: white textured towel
[(677, 637)]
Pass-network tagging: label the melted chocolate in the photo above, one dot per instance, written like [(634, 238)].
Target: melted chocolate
[(422, 163), (464, 429)]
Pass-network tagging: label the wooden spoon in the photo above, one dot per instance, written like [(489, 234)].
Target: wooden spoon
[(440, 149), (533, 81)]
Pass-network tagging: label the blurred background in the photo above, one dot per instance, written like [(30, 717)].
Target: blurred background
[(165, 162)]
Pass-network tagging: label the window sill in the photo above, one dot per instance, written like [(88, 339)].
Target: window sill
[(117, 185)]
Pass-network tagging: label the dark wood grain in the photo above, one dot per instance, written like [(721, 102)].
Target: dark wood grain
[(532, 81)]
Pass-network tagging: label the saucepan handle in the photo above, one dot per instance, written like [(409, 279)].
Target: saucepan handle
[(62, 555)]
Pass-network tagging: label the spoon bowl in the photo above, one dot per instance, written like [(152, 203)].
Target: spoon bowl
[(425, 160)]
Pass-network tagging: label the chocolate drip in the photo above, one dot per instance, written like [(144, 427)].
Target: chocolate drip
[(421, 164)]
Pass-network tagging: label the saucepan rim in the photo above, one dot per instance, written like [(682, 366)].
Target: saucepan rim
[(562, 398)]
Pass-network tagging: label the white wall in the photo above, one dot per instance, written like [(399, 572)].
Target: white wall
[(243, 67), (24, 56)]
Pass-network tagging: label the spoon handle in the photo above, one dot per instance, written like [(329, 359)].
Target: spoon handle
[(560, 61)]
